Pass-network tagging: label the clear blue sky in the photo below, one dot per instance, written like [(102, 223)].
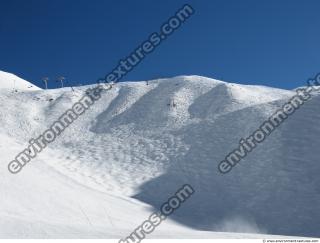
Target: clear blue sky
[(274, 43)]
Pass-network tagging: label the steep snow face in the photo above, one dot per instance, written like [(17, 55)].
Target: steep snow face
[(14, 83), (139, 143)]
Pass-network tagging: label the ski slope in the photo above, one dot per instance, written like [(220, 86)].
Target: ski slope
[(133, 149)]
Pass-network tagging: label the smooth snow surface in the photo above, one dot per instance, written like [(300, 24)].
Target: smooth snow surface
[(14, 83), (131, 151)]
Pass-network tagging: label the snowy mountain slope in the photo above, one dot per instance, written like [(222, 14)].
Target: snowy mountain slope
[(14, 83), (134, 148)]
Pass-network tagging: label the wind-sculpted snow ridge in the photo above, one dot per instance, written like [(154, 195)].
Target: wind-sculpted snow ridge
[(141, 142)]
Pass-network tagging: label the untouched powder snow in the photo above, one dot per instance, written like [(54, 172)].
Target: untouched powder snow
[(133, 149)]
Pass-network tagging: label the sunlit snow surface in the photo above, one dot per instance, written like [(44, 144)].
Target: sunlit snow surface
[(131, 151)]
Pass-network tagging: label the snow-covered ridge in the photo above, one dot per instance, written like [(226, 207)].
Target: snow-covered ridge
[(140, 142), (12, 82)]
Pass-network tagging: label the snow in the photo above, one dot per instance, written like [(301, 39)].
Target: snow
[(131, 151), (13, 82)]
